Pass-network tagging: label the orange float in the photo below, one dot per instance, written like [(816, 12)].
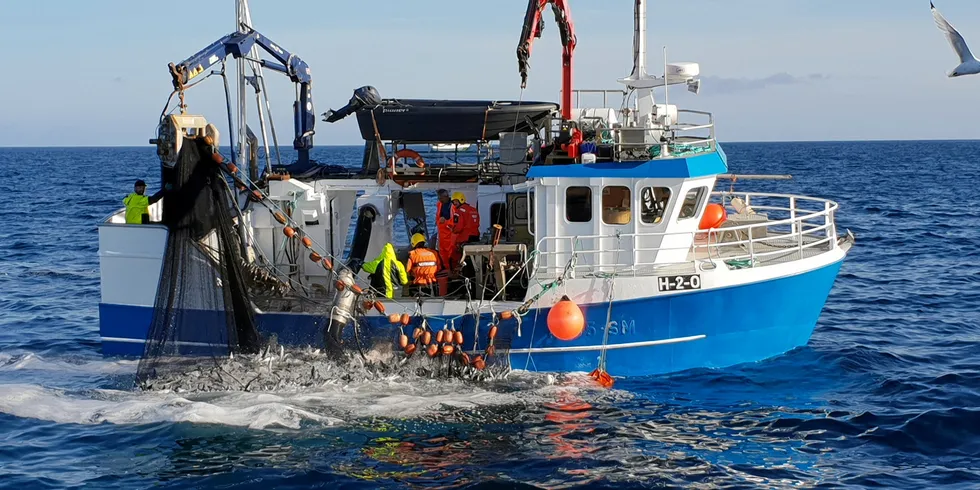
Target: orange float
[(329, 266), (565, 320), (506, 315), (403, 341), (379, 306), (288, 231), (714, 215), (406, 319), (315, 257), (410, 349), (280, 218), (394, 318), (307, 242)]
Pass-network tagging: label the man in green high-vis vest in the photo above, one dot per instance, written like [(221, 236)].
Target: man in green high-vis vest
[(137, 204)]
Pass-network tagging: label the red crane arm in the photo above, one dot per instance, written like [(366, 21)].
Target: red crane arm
[(533, 25)]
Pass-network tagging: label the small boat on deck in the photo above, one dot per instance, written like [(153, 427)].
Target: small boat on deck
[(606, 245)]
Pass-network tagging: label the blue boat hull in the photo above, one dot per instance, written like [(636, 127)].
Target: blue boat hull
[(709, 328)]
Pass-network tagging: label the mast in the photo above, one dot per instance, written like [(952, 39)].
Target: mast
[(639, 40)]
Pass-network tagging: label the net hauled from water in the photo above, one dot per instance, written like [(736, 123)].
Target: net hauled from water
[(202, 309)]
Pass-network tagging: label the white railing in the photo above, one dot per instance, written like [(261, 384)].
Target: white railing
[(631, 143), (791, 228)]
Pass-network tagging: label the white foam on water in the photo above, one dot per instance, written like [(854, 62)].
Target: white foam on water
[(328, 405), (331, 402), (29, 361), (255, 411)]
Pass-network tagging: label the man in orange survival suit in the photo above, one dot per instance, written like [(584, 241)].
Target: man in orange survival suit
[(444, 225), (423, 264), (467, 226)]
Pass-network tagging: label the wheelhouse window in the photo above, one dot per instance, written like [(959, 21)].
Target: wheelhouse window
[(616, 205), (653, 204), (578, 204), (692, 203)]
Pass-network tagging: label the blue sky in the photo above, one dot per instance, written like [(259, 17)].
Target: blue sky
[(95, 73)]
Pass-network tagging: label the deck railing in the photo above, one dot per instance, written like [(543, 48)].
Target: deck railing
[(770, 229), (684, 136)]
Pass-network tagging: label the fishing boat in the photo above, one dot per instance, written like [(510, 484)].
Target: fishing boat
[(609, 242)]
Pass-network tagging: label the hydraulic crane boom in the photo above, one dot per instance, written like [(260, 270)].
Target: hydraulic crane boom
[(533, 25), (239, 44)]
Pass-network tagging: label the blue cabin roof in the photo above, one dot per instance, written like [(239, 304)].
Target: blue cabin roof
[(700, 165)]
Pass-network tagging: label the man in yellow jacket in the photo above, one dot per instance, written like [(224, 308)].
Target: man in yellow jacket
[(382, 268), (137, 204)]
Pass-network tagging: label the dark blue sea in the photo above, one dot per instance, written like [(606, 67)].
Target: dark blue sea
[(885, 395)]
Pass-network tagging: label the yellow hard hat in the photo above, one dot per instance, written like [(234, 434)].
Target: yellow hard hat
[(417, 239), (458, 196)]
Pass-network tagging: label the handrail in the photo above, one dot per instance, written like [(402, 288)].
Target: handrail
[(624, 150), (761, 243)]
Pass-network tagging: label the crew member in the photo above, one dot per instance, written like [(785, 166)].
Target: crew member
[(382, 268), (445, 224), (467, 220), (137, 204), (466, 230), (423, 263)]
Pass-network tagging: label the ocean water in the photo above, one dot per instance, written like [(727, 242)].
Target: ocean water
[(886, 394)]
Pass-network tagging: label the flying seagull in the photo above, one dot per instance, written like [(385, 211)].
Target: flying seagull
[(968, 64)]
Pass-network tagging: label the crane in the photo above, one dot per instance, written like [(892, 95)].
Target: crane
[(239, 44), (533, 25)]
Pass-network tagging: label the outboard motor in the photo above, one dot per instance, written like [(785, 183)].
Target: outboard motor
[(366, 96)]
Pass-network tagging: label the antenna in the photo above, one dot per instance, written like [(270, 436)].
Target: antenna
[(666, 101)]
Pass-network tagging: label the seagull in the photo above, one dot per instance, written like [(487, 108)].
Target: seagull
[(968, 64)]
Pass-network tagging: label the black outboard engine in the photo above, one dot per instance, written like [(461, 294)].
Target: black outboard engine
[(366, 96)]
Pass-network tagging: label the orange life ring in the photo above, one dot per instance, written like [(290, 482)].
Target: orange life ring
[(407, 153)]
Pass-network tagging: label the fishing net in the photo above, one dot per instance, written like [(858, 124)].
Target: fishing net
[(202, 311)]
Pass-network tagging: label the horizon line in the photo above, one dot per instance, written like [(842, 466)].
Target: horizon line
[(878, 140)]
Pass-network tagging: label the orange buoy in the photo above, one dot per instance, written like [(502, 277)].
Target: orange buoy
[(458, 337), (279, 217), (406, 319), (357, 289), (447, 349), (403, 341), (493, 332), (208, 140), (307, 242), (565, 320), (440, 336), (506, 315), (466, 359), (328, 265), (491, 349), (340, 285), (479, 363), (416, 333), (379, 306), (433, 350), (714, 216), (410, 349), (427, 337), (315, 257), (217, 157), (367, 305), (232, 168), (257, 195), (393, 318), (288, 231)]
